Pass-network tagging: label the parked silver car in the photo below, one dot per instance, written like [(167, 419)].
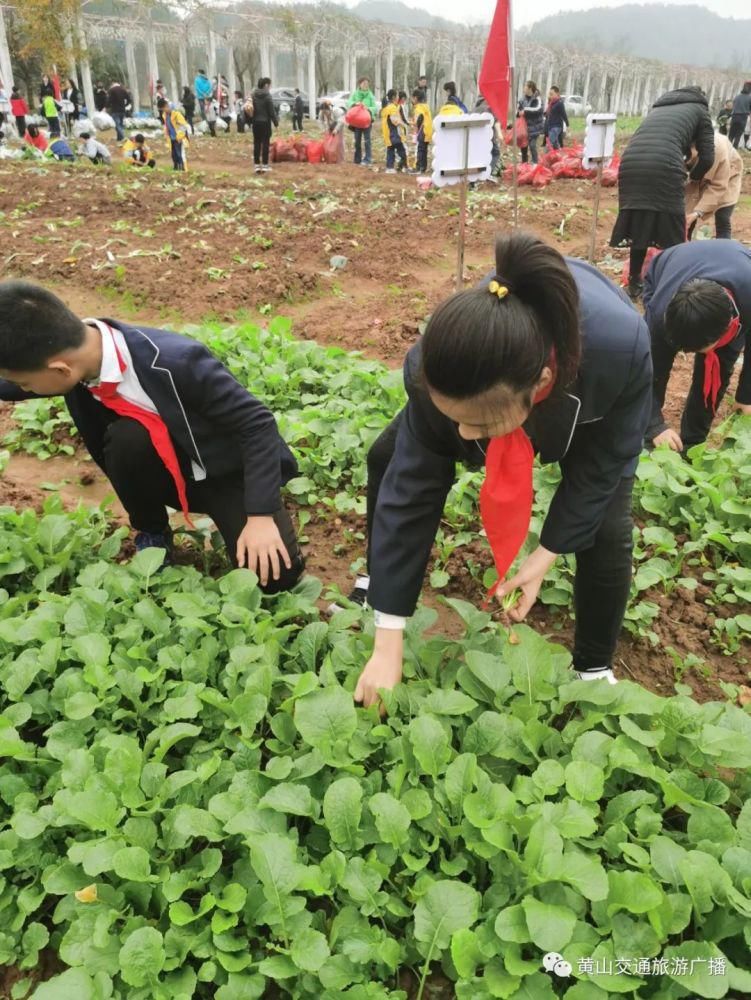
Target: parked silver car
[(575, 105)]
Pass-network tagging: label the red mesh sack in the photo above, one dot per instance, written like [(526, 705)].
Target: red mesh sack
[(315, 151), (358, 116), (301, 148), (526, 172), (609, 178), (542, 176), (332, 148)]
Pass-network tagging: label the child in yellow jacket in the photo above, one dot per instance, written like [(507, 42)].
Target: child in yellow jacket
[(394, 130), (176, 130), (424, 127)]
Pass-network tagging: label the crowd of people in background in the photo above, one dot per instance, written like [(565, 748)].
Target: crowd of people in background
[(406, 127)]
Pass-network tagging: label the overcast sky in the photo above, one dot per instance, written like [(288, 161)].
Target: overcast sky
[(528, 11)]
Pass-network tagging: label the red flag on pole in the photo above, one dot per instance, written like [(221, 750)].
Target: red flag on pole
[(498, 62), (56, 85)]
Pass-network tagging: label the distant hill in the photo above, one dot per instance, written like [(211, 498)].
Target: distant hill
[(686, 34), (395, 12)]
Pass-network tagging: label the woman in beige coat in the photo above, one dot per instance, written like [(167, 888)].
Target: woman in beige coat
[(718, 191)]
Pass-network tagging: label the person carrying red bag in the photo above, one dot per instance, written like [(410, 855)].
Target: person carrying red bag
[(363, 132), (546, 356)]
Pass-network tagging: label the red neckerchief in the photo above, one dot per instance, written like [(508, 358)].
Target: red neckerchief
[(712, 377), (107, 394), (506, 494)]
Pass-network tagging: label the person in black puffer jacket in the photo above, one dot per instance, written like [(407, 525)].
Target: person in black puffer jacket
[(264, 115), (739, 115), (531, 108), (652, 176)]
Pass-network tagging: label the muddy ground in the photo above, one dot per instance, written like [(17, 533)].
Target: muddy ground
[(221, 243)]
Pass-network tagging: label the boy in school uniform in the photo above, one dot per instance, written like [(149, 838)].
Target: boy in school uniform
[(50, 110), (697, 299), (94, 150), (166, 422), (394, 130), (137, 153), (424, 127)]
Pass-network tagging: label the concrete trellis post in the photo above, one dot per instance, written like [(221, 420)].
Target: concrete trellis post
[(549, 82), (174, 92), (312, 91), (353, 69), (211, 69), (231, 74), (6, 69), (423, 62), (406, 88), (184, 77), (299, 68), (618, 92), (346, 66), (646, 100), (454, 66), (153, 62), (130, 62), (390, 66), (585, 89), (265, 47), (570, 79), (377, 83), (88, 89)]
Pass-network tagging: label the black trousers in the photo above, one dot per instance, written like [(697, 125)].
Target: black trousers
[(261, 141), (297, 122), (602, 582), (723, 228), (145, 489), (737, 127), (697, 418), (21, 125), (422, 157)]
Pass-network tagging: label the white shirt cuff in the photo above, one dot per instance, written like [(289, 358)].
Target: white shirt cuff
[(394, 622)]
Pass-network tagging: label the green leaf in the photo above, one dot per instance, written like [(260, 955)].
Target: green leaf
[(342, 810), (274, 860), (73, 983), (632, 891), (392, 819), (550, 927), (145, 564), (289, 798), (584, 781), (489, 670), (447, 907), (310, 950), (142, 957), (511, 925), (133, 864), (701, 958), (430, 743), (232, 898), (326, 717)]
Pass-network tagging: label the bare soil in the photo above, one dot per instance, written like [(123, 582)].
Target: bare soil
[(221, 243)]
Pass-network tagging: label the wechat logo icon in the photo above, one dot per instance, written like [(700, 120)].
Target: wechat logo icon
[(555, 963)]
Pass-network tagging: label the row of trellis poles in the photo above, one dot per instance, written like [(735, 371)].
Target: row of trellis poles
[(267, 38)]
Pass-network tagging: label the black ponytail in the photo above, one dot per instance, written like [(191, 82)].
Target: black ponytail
[(475, 340)]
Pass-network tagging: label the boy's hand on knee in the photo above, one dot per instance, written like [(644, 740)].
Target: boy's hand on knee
[(259, 547)]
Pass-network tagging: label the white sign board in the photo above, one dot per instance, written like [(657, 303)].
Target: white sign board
[(466, 141), (599, 140)]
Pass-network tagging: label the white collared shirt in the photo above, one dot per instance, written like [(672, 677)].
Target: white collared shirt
[(127, 382)]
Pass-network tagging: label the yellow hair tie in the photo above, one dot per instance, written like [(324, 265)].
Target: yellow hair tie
[(496, 288)]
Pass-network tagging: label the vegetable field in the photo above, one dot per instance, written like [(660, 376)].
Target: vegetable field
[(191, 805)]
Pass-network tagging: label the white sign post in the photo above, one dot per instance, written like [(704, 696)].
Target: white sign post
[(599, 142), (462, 152)]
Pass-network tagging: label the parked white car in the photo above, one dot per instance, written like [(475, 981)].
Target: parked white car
[(338, 99), (575, 105)]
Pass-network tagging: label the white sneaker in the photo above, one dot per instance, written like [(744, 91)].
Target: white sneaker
[(259, 170), (597, 675), (390, 170), (267, 169)]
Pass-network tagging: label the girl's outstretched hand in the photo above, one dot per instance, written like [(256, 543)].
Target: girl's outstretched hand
[(529, 580)]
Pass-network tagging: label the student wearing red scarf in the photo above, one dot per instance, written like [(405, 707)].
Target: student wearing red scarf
[(548, 356), (697, 299), (165, 421)]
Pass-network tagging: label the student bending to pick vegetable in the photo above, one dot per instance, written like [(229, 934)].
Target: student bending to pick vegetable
[(547, 356), (165, 421)]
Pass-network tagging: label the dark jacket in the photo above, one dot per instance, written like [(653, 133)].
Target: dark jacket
[(73, 95), (299, 104), (212, 420), (741, 106), (652, 175), (534, 114), (118, 99), (100, 99), (263, 107), (595, 430), (189, 101), (555, 116), (724, 261), (46, 90)]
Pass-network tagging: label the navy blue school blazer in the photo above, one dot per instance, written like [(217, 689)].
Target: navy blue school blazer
[(213, 421), (594, 429), (724, 261)]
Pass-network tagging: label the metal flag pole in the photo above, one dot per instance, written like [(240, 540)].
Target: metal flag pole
[(512, 102)]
